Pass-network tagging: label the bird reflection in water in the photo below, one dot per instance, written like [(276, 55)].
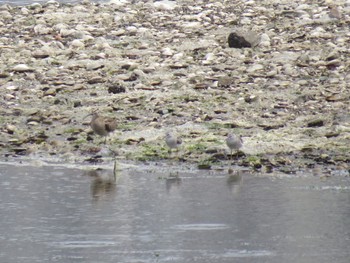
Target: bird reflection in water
[(234, 180), (172, 181), (103, 184)]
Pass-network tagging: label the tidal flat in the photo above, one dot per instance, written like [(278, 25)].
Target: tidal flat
[(166, 66)]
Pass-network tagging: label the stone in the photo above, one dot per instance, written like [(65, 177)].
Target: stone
[(243, 39), (116, 88), (315, 123), (22, 68)]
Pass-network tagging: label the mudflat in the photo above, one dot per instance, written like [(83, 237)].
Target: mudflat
[(166, 66)]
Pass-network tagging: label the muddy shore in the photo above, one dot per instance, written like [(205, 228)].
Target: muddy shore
[(166, 66)]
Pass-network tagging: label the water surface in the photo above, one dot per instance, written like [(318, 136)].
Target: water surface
[(55, 214)]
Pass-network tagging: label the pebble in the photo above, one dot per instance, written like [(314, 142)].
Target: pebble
[(165, 5), (22, 68), (243, 39), (76, 43)]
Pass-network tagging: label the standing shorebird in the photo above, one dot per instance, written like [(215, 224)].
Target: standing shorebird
[(102, 125), (172, 141), (234, 142)]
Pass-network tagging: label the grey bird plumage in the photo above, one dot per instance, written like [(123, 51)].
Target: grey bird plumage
[(172, 140), (234, 142)]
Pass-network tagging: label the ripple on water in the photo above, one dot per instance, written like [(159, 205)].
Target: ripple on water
[(84, 244), (246, 253), (201, 227), (323, 188)]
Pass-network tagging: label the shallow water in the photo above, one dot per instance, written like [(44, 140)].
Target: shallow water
[(56, 214)]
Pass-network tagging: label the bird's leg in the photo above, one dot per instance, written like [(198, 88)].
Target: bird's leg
[(169, 153), (230, 159)]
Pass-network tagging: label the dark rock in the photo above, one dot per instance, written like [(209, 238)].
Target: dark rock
[(332, 134), (288, 170), (20, 151), (315, 123), (204, 166), (271, 126), (217, 152), (250, 98), (95, 80), (132, 77), (95, 159), (243, 39), (4, 75), (237, 41), (116, 88), (77, 104)]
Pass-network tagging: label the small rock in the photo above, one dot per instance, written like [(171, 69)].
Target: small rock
[(315, 123), (35, 6), (332, 134), (265, 40), (4, 74), (77, 104), (242, 39), (64, 32), (5, 15), (50, 92), (250, 98), (52, 2), (336, 97), (288, 170), (178, 65), (204, 166), (22, 68), (167, 52), (255, 67), (76, 43), (10, 128), (9, 97), (42, 29), (40, 54), (116, 88), (165, 5), (94, 65), (95, 80)]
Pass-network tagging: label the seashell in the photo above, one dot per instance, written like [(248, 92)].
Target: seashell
[(42, 29), (53, 2), (167, 52), (165, 5), (76, 43), (5, 15), (40, 54), (22, 68)]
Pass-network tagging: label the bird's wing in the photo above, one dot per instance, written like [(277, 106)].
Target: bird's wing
[(110, 127)]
